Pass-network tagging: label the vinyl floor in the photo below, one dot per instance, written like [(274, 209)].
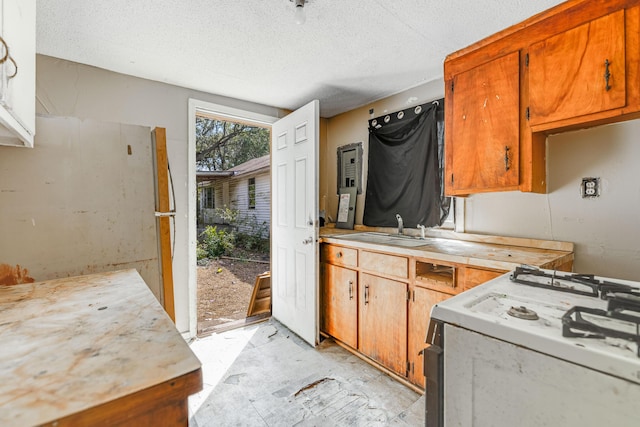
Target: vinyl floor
[(264, 375)]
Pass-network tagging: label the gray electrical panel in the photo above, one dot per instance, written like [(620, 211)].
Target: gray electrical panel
[(350, 167)]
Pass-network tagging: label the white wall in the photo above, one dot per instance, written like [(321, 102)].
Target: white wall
[(65, 88), (606, 230)]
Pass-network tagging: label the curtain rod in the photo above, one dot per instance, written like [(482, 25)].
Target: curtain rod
[(410, 112)]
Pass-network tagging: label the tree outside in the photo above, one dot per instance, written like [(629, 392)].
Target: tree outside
[(221, 145)]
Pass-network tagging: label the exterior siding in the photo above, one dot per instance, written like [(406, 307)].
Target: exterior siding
[(239, 200)]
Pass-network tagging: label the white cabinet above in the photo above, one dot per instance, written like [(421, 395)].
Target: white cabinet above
[(17, 72)]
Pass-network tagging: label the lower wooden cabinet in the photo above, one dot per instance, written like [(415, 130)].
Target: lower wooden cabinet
[(340, 304), (382, 318), (472, 277), (382, 333), (420, 305), (379, 304)]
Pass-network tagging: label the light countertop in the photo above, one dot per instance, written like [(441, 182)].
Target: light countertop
[(494, 252), (70, 344)]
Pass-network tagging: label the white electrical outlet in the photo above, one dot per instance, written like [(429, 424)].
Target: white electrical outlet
[(590, 187)]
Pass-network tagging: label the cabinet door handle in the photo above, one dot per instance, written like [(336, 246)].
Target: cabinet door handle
[(339, 255), (350, 289), (366, 294), (506, 158), (607, 74)]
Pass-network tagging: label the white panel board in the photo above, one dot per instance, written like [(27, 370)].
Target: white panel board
[(78, 202), (300, 193), (301, 132), (281, 195)]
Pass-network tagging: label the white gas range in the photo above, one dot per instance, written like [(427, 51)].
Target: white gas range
[(536, 347)]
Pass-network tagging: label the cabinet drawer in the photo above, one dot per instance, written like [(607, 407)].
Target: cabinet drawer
[(339, 255), (437, 276), (389, 265)]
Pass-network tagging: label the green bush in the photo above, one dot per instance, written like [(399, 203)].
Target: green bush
[(249, 233), (214, 243), (252, 235), (228, 215), (201, 253), (251, 242)]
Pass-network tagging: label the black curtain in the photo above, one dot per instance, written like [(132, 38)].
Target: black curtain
[(405, 171)]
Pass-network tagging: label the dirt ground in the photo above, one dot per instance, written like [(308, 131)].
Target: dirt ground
[(224, 289)]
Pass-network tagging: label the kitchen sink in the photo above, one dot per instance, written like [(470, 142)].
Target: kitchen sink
[(384, 239)]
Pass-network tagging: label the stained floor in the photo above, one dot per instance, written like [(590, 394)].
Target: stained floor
[(264, 375)]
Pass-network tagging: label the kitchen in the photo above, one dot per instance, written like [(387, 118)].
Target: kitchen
[(604, 229)]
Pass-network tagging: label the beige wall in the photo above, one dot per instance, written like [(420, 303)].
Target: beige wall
[(69, 89), (606, 230), (352, 127)]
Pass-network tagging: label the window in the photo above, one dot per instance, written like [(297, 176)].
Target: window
[(252, 193), (208, 198)]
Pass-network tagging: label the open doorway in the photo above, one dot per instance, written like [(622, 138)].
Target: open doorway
[(232, 217)]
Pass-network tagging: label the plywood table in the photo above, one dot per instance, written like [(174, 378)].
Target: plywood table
[(92, 350)]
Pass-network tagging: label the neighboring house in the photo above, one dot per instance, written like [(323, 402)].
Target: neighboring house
[(245, 188)]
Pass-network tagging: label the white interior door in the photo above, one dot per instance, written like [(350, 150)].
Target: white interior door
[(294, 187)]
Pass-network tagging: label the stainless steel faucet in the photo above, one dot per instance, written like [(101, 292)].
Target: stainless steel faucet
[(400, 224), (421, 228)]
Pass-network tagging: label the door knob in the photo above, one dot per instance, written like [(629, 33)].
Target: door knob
[(307, 241)]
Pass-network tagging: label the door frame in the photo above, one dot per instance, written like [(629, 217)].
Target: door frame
[(233, 114)]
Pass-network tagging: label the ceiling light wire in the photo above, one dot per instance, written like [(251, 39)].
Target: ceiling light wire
[(299, 13)]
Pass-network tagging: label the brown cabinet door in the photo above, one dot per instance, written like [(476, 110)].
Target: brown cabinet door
[(419, 315), (382, 334), (568, 72), (340, 304), (482, 151)]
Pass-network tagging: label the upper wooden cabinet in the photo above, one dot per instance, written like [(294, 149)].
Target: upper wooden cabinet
[(482, 145), (573, 66), (580, 71), (18, 72)]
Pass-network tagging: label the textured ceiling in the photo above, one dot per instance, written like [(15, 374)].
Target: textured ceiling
[(347, 54)]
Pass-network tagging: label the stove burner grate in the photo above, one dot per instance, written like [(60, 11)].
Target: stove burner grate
[(581, 284), (573, 321), (570, 283)]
